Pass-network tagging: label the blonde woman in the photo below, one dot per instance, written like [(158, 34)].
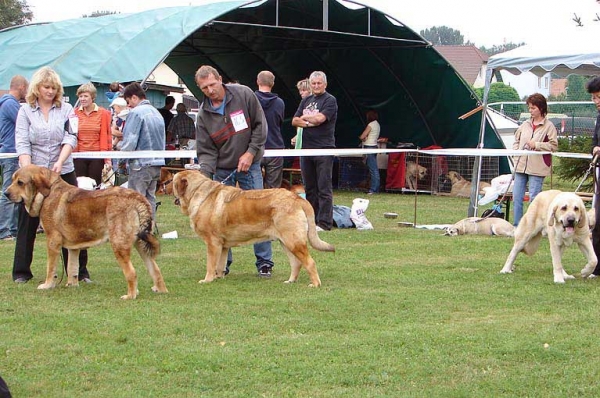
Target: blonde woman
[(43, 137), (303, 87), (94, 133)]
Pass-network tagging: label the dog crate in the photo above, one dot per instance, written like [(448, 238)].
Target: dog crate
[(353, 174), (463, 165), (411, 171)]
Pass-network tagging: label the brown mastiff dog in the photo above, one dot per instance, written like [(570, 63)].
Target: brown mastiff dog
[(225, 217), (77, 219)]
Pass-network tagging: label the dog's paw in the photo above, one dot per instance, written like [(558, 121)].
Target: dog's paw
[(128, 297), (313, 285), (156, 289), (72, 284), (205, 281), (289, 281), (567, 276), (45, 286), (559, 280), (506, 271)]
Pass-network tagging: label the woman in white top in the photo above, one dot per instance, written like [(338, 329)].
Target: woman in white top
[(369, 140)]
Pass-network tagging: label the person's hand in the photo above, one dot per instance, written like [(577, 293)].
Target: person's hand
[(245, 162), (530, 145), (596, 150), (57, 167), (293, 140)]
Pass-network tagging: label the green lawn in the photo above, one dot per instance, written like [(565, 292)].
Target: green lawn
[(403, 312)]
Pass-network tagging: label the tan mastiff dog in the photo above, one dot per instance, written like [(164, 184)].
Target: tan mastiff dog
[(226, 217), (462, 187)]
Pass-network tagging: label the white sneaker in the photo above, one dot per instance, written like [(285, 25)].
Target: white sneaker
[(319, 229)]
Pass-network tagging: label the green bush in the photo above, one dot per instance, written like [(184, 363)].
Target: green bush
[(573, 169)]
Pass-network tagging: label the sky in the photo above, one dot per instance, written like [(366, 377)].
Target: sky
[(485, 23)]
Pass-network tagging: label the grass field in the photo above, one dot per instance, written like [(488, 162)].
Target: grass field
[(403, 312)]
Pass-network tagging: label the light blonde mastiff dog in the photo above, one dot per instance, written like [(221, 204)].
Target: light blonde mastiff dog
[(225, 217), (491, 226), (462, 187), (77, 219), (414, 172), (562, 215)]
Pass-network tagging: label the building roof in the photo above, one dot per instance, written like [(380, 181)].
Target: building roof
[(467, 60)]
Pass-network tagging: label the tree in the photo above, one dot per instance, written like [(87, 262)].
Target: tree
[(500, 48), (443, 35), (99, 14), (576, 88), (499, 92), (14, 13)]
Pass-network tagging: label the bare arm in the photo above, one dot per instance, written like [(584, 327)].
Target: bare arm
[(365, 133)]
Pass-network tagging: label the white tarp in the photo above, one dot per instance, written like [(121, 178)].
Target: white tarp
[(574, 51)]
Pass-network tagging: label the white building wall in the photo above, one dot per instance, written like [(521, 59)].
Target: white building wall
[(165, 75), (527, 83)]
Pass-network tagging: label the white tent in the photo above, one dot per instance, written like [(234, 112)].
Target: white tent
[(572, 52)]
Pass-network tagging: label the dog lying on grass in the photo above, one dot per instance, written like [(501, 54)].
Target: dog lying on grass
[(491, 226), (226, 217), (76, 219)]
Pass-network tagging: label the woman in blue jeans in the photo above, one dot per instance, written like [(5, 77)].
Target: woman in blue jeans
[(535, 134), (369, 139)]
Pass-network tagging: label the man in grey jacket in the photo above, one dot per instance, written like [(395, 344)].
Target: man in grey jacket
[(231, 131)]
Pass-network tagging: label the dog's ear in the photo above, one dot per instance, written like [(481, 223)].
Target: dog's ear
[(182, 185), (41, 180), (551, 215), (582, 217)]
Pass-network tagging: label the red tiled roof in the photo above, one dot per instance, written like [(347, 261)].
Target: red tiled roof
[(467, 60)]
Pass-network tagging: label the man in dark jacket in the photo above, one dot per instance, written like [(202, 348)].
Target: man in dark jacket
[(593, 87), (231, 131), (274, 108)]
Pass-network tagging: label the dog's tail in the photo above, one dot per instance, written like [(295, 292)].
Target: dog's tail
[(313, 236), (147, 241)]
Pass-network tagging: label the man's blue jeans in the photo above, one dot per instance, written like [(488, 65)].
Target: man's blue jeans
[(519, 189), (8, 210), (250, 180), (144, 181)]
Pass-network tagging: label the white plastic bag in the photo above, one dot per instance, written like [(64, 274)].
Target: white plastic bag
[(357, 214), (499, 185)]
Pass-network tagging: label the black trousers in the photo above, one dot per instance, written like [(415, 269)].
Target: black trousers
[(89, 168), (596, 230), (26, 234), (317, 173)]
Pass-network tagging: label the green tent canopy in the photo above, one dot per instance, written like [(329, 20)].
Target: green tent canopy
[(372, 61)]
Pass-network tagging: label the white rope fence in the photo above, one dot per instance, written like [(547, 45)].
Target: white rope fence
[(319, 152)]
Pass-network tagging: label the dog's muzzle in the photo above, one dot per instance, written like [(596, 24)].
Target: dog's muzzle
[(569, 223)]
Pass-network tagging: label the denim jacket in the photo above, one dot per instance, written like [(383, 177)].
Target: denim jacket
[(144, 131)]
